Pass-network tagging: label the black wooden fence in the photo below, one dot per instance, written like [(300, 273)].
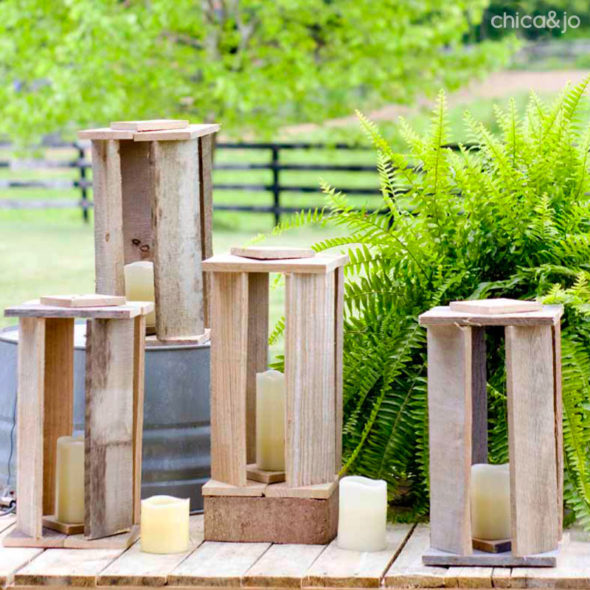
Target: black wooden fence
[(276, 188)]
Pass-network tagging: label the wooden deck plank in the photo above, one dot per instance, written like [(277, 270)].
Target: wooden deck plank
[(356, 569), (501, 577), (409, 571), (217, 564), (65, 567), (282, 566), (134, 568), (469, 577), (12, 558)]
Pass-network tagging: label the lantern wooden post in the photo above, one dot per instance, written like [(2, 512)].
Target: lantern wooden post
[(113, 421), (302, 508), (458, 428), (152, 195)]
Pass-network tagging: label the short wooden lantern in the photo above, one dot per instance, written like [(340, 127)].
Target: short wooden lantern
[(457, 407), (113, 419), (153, 201), (303, 508)]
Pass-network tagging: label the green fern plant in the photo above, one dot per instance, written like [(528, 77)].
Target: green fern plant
[(510, 219)]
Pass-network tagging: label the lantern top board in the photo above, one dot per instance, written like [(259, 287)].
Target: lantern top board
[(319, 264), (34, 309), (190, 132), (458, 432)]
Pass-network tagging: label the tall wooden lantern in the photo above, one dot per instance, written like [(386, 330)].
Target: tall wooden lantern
[(457, 408), (111, 480), (152, 201), (303, 508)]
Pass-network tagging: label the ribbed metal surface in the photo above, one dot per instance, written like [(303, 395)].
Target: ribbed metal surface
[(176, 456)]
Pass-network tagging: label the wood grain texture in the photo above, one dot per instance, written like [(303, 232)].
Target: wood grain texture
[(33, 309), (319, 491), (407, 570), (341, 568), (30, 423), (558, 424), (12, 559), (495, 306), (120, 541), (484, 559), (137, 179), (92, 300), (109, 455), (192, 132), (479, 446), (443, 316), (104, 133), (219, 488), (309, 375), (138, 403), (450, 426), (282, 566), (48, 539), (229, 363), (271, 252), (469, 577), (150, 125), (135, 568), (58, 399), (217, 564), (206, 153), (257, 351), (531, 436), (176, 224), (321, 264), (51, 522), (263, 476), (338, 354), (274, 520), (108, 217)]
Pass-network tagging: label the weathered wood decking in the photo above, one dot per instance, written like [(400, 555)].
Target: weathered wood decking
[(262, 565)]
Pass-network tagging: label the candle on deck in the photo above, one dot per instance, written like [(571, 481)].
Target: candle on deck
[(164, 524), (490, 501), (139, 286), (270, 420), (362, 514), (69, 480)]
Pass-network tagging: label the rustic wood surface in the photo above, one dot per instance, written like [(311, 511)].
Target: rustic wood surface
[(34, 309), (206, 153), (150, 125), (322, 263), (479, 399), (271, 252), (90, 300), (492, 306), (138, 409), (262, 565), (549, 315), (191, 132)]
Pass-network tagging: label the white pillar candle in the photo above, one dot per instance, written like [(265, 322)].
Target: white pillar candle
[(164, 524), (69, 480), (490, 501), (270, 420), (362, 516), (139, 286)]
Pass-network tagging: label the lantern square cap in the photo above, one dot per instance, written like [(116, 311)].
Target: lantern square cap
[(80, 306), (493, 312), (150, 130)]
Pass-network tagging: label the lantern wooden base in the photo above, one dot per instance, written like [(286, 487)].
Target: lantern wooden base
[(54, 539), (485, 559), (492, 546), (262, 519), (264, 476), (51, 522)]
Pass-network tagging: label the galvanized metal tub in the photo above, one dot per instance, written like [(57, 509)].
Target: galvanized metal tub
[(176, 433)]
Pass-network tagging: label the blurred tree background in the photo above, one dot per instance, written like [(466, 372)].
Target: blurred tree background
[(254, 65)]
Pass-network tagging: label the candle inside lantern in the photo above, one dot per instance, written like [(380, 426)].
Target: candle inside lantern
[(164, 524), (270, 420), (362, 514), (490, 501), (139, 286), (69, 480)]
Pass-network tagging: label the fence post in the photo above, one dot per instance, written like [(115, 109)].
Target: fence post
[(82, 180), (276, 185)]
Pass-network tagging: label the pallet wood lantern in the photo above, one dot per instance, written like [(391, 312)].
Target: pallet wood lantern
[(303, 508), (113, 419), (153, 201), (457, 407)]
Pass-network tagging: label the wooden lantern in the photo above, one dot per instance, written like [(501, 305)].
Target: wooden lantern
[(153, 201), (457, 407), (113, 422), (303, 508)]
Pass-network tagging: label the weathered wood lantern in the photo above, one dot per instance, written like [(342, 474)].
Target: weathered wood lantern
[(113, 418), (457, 407), (152, 193), (303, 508)]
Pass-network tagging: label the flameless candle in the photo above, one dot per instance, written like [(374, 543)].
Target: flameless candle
[(362, 514), (490, 501), (270, 420), (164, 524), (139, 286), (69, 480)]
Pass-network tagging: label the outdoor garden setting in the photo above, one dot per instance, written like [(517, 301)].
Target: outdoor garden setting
[(295, 294)]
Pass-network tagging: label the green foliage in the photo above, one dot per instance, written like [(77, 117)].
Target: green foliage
[(511, 219), (252, 64)]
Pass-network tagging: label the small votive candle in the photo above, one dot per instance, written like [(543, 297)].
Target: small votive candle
[(490, 501), (139, 286), (270, 420), (69, 480), (165, 524), (362, 514)]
